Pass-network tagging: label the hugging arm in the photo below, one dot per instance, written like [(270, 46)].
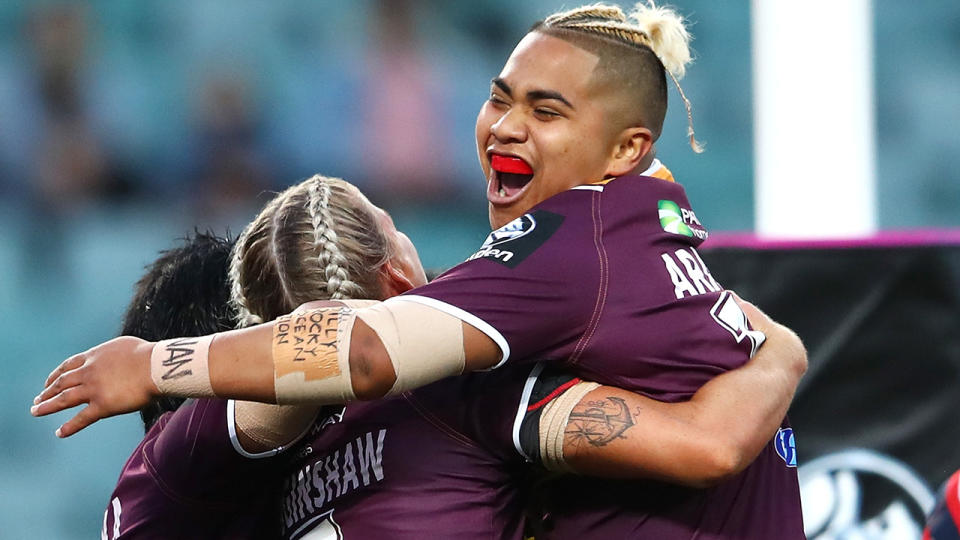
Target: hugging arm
[(615, 433), (364, 353)]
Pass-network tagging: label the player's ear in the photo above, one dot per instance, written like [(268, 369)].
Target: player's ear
[(631, 146), (393, 281)]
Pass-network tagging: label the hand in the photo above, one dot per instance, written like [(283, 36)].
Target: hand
[(112, 378)]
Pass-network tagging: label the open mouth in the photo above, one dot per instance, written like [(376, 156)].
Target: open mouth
[(512, 174)]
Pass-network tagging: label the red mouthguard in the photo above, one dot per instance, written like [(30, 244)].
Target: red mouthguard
[(510, 165)]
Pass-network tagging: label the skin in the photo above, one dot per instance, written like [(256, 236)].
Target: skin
[(403, 271)]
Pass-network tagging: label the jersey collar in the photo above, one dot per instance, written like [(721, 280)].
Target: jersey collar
[(655, 170)]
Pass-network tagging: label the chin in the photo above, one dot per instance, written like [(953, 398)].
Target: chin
[(499, 218)]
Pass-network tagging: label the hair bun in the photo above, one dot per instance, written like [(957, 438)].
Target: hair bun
[(668, 36)]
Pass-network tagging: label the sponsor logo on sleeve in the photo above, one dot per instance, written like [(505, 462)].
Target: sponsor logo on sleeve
[(786, 446), (677, 220), (511, 244)]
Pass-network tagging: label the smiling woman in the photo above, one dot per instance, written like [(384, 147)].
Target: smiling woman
[(582, 98)]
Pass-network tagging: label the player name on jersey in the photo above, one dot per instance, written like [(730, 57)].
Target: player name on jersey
[(690, 277), (328, 477)]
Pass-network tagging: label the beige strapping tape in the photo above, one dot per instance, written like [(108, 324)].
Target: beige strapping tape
[(273, 426), (553, 425), (311, 356), (180, 367), (424, 344)]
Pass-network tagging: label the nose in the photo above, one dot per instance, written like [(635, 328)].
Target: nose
[(510, 127)]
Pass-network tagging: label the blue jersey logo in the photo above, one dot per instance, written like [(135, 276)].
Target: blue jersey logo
[(786, 446)]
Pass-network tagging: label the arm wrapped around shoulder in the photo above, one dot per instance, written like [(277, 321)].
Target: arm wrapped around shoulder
[(335, 354)]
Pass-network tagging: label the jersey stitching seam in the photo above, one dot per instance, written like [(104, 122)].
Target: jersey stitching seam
[(442, 426), (604, 277)]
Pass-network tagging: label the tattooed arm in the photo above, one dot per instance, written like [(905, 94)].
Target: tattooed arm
[(615, 433)]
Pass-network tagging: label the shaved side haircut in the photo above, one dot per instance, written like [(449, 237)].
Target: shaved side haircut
[(636, 51)]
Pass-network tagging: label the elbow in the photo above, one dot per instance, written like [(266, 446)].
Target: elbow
[(802, 363), (721, 463), (371, 371), (798, 354)]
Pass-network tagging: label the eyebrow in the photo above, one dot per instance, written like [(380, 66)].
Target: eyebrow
[(532, 95)]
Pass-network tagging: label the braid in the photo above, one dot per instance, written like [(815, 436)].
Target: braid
[(251, 235), (317, 240), (241, 310), (622, 31), (593, 11), (330, 257)]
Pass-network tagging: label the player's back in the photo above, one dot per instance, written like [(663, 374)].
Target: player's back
[(604, 279), (186, 480), (594, 278), (664, 327), (412, 466)]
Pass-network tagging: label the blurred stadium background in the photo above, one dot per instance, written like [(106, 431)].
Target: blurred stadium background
[(125, 125)]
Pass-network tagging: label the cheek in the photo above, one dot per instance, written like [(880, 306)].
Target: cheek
[(410, 252), (561, 153), (485, 119)]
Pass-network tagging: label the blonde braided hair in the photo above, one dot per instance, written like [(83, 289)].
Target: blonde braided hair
[(331, 258), (659, 28), (317, 240), (252, 235)]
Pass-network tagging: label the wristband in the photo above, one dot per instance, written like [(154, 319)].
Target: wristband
[(179, 367)]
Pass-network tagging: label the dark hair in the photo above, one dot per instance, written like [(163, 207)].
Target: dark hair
[(185, 292)]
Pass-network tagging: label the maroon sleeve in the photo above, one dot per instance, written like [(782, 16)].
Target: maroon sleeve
[(533, 285), (186, 480), (194, 458)]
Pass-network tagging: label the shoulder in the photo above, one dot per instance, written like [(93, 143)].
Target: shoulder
[(651, 204), (628, 191), (194, 453)]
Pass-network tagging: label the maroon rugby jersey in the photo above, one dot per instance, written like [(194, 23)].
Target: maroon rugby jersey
[(605, 279), (187, 479), (439, 462)]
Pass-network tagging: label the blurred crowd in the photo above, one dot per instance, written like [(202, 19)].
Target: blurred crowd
[(107, 101), (209, 103)]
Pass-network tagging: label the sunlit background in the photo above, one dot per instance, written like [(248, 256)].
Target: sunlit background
[(125, 125)]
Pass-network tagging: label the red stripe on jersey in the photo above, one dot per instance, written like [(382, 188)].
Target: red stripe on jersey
[(560, 389)]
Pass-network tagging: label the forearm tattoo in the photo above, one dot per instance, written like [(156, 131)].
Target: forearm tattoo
[(598, 422)]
